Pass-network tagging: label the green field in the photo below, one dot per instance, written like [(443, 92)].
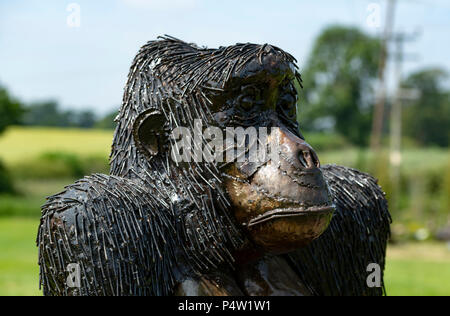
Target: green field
[(19, 272), (19, 143), (417, 269), (413, 160)]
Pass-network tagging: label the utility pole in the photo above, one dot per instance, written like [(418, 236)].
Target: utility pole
[(395, 155), (377, 123)]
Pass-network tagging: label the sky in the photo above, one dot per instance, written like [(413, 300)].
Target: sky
[(78, 52)]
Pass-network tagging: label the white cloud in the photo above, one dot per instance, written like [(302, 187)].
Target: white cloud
[(162, 4)]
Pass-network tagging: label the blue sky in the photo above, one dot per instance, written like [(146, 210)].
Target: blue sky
[(41, 57)]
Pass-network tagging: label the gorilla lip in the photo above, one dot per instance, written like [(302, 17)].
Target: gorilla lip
[(290, 212)]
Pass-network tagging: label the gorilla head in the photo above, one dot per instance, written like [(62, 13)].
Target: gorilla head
[(267, 205)]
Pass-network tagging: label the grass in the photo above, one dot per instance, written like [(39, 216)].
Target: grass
[(20, 206), (32, 196), (417, 277), (413, 160), (412, 269), (19, 272), (21, 143), (418, 270)]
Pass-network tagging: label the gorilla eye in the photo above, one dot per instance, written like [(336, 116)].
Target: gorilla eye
[(250, 94), (287, 104), (287, 99), (246, 102)]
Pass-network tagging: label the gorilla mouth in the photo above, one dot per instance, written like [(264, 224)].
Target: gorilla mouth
[(291, 212)]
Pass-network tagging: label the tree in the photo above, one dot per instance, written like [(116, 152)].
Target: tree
[(338, 83), (11, 110), (10, 113), (48, 113), (6, 183), (427, 119), (84, 119)]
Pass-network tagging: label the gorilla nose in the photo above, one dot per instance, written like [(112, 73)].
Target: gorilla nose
[(308, 158), (297, 151)]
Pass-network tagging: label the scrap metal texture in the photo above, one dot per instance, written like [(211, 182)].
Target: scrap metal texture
[(336, 263)]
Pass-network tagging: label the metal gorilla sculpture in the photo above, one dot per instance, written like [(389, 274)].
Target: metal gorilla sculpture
[(154, 227)]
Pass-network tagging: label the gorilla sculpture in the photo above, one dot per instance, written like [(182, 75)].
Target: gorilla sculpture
[(157, 227)]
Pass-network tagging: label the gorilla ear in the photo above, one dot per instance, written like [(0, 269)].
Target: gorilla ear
[(149, 133)]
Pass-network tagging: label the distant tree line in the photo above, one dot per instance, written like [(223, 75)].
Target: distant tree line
[(48, 113)]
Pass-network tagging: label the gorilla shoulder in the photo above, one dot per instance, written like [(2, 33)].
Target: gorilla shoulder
[(105, 225), (352, 189), (356, 237)]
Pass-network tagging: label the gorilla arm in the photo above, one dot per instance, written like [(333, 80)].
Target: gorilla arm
[(336, 263), (121, 237)]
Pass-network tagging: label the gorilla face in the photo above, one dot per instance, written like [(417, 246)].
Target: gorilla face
[(282, 204)]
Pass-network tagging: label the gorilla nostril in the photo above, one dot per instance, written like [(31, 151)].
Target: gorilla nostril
[(302, 159), (308, 159)]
